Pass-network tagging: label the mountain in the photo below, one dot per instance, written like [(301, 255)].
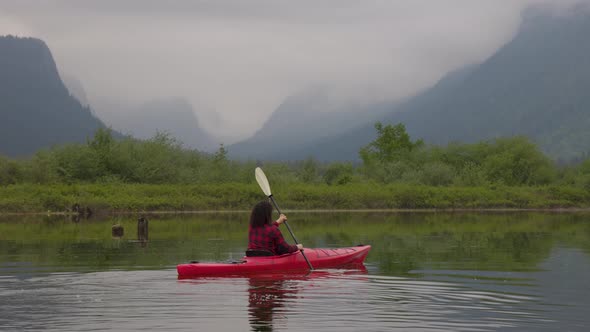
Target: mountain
[(536, 85), (302, 120), (171, 115), (76, 88), (36, 109)]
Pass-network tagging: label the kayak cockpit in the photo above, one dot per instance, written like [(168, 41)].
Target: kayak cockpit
[(259, 253)]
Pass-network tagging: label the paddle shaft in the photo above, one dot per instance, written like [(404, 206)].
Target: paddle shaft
[(290, 231)]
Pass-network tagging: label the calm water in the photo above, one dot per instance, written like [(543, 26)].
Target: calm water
[(426, 272)]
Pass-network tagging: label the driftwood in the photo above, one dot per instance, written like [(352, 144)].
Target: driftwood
[(81, 212)]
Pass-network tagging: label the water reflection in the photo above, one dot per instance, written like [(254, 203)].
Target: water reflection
[(436, 272), (268, 295), (79, 212), (265, 298), (354, 301), (401, 242)]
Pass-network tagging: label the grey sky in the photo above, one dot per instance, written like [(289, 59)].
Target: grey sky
[(240, 58)]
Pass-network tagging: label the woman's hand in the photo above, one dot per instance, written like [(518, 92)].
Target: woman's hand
[(300, 246), (282, 218)]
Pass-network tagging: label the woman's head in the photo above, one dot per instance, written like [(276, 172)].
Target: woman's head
[(261, 214)]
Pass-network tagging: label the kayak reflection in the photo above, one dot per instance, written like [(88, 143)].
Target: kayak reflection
[(269, 296), (266, 298)]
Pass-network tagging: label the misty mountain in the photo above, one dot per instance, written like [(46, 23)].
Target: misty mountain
[(174, 116), (536, 85), (302, 120), (36, 109), (76, 88)]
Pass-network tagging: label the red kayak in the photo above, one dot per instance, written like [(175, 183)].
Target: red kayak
[(293, 262)]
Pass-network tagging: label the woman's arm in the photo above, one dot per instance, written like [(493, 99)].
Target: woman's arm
[(281, 246), (282, 219)]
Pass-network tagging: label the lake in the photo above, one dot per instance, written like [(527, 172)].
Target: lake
[(426, 271)]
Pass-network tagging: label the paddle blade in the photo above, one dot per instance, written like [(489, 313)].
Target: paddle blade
[(262, 181)]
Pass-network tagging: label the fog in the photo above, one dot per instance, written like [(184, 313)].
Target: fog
[(236, 61)]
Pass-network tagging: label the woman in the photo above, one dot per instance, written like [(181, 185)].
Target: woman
[(264, 234)]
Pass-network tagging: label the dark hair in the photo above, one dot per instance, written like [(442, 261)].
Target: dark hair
[(261, 214)]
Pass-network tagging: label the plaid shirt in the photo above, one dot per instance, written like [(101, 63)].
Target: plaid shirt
[(269, 237)]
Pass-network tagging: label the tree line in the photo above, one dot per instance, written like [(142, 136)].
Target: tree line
[(393, 157)]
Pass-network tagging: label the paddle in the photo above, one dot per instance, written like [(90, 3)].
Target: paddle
[(265, 186)]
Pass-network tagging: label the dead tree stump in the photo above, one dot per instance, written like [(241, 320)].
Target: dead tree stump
[(142, 229), (117, 230)]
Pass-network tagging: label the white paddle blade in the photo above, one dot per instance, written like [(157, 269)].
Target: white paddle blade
[(262, 181)]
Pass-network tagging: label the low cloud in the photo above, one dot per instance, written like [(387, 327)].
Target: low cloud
[(237, 60)]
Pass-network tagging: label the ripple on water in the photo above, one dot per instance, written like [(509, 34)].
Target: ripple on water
[(325, 300)]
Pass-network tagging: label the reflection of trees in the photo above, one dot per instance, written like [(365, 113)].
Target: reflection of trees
[(401, 242), (498, 250)]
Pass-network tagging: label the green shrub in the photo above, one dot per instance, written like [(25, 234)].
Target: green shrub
[(339, 174), (437, 174)]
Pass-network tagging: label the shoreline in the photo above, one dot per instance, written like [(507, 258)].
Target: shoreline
[(196, 212)]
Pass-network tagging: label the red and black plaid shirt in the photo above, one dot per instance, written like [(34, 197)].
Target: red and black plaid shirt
[(269, 237)]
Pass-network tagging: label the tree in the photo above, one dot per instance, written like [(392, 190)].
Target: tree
[(308, 171), (339, 173), (516, 161), (9, 171), (392, 143), (101, 145), (220, 156)]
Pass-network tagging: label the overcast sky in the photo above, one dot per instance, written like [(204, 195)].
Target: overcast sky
[(239, 59)]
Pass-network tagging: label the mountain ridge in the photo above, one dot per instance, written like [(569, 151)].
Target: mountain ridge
[(172, 115), (535, 85), (36, 109), (303, 119)]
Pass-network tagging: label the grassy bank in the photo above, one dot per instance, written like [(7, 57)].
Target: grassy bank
[(239, 196)]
